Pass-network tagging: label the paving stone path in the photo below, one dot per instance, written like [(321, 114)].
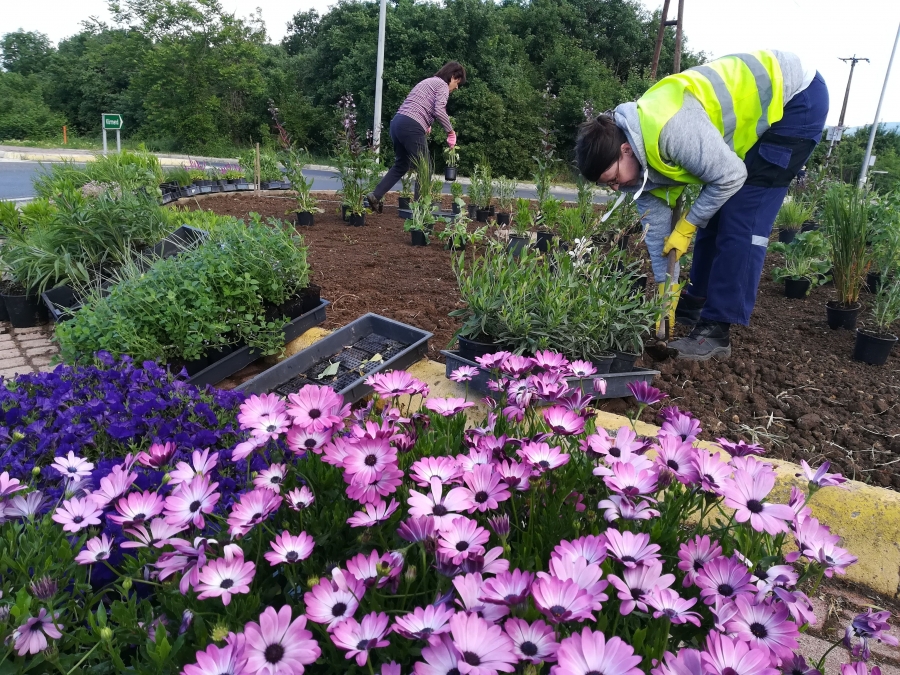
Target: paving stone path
[(26, 350)]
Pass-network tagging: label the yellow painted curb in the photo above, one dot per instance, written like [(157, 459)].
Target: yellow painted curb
[(866, 518)]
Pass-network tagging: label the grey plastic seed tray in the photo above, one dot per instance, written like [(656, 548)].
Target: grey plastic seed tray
[(399, 344)]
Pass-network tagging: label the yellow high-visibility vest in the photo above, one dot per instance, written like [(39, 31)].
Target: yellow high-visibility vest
[(743, 94)]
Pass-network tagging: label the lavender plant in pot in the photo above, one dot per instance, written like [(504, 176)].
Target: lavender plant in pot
[(358, 167), (485, 190), (546, 221), (873, 345), (505, 189), (294, 161), (805, 264), (846, 220)]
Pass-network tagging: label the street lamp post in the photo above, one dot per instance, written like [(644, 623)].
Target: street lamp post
[(379, 72), (887, 76)]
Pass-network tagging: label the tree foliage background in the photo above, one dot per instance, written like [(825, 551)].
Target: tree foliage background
[(189, 77)]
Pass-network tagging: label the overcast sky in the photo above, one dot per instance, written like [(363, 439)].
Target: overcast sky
[(821, 31)]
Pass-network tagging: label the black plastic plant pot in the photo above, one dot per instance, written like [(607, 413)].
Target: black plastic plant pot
[(229, 187), (244, 186), (482, 215), (455, 247), (623, 242), (4, 315), (543, 240), (623, 362), (809, 226), (473, 211), (873, 282), (471, 349), (455, 209), (516, 245), (873, 348), (357, 220), (786, 236), (345, 213), (25, 311), (492, 210), (305, 219), (504, 219), (418, 238), (841, 317), (450, 173), (61, 303), (603, 362), (796, 289), (402, 202)]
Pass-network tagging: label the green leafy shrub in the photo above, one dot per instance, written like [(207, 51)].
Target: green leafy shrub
[(806, 257), (200, 300)]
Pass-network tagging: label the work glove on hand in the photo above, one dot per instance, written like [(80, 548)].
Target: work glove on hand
[(428, 131), (680, 239), (451, 139)]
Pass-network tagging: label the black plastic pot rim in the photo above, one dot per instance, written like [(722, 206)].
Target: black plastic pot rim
[(872, 335), (835, 305)]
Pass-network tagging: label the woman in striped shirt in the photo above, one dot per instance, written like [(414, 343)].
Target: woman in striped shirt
[(426, 102)]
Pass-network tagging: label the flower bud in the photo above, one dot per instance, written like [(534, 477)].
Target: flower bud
[(4, 613), (591, 516), (127, 583), (312, 581), (531, 669), (35, 471), (219, 632), (187, 618), (18, 436), (165, 479), (106, 633), (410, 574)]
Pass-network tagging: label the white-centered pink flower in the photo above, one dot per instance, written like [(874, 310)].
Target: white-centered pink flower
[(226, 576), (95, 550), (190, 501), (290, 549), (279, 646), (76, 514), (72, 467)]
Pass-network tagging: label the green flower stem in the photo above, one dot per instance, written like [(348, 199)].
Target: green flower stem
[(83, 658)]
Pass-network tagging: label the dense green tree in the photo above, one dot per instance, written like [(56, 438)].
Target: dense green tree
[(846, 160), (23, 113), (25, 52)]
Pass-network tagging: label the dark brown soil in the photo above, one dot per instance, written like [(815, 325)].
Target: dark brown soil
[(790, 383)]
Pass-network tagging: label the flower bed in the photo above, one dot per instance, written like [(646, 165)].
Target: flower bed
[(384, 538)]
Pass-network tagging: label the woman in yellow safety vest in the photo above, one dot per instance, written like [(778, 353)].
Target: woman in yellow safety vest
[(742, 126)]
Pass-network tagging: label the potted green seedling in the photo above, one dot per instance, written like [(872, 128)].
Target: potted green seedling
[(873, 345), (846, 220), (457, 236), (421, 224), (505, 189), (294, 161), (485, 191), (452, 156), (546, 221), (456, 191), (522, 224), (790, 219), (805, 264), (406, 191)]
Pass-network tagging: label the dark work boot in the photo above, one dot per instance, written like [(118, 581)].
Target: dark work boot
[(708, 339), (687, 312)]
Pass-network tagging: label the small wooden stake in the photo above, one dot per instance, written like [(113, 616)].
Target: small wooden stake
[(65, 139), (257, 167)]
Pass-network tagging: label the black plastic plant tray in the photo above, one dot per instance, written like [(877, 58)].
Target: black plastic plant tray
[(399, 344), (61, 302), (183, 238), (616, 383), (243, 357)]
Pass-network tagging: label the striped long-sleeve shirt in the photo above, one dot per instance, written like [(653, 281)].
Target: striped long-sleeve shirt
[(428, 102)]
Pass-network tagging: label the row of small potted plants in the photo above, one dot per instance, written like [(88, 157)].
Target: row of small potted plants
[(857, 248)]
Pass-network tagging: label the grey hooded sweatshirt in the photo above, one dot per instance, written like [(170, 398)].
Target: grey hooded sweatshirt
[(690, 140)]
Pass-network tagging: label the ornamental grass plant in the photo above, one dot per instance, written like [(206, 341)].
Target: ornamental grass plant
[(391, 538), (847, 226)]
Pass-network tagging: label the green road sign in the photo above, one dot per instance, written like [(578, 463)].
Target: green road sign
[(112, 122)]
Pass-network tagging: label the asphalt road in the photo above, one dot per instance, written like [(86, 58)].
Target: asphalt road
[(16, 178)]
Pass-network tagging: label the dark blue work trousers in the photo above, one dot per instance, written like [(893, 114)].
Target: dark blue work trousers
[(729, 252)]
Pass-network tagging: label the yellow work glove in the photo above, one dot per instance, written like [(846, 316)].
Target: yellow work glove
[(680, 239)]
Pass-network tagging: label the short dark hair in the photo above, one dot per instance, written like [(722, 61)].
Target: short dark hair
[(598, 146), (450, 70)]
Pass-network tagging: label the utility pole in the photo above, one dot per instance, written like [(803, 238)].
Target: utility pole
[(887, 76), (379, 72), (661, 33), (836, 133)]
